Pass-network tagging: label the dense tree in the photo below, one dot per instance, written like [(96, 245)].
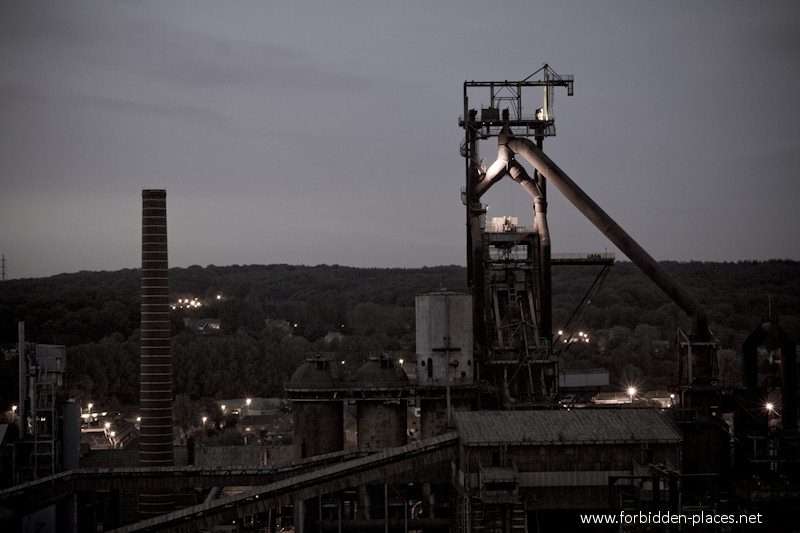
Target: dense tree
[(631, 323)]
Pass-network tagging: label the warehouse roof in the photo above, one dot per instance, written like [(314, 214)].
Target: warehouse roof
[(576, 426)]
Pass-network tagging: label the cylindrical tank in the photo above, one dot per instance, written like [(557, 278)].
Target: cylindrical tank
[(444, 339), (317, 409), (382, 413)]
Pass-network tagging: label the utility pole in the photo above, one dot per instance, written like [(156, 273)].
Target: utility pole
[(3, 268)]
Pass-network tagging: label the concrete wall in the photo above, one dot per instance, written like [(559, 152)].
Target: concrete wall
[(382, 425), (318, 428)]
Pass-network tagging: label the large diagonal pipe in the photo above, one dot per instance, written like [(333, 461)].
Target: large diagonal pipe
[(614, 232)]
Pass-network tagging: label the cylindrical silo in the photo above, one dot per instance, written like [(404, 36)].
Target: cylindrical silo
[(445, 364), (318, 413), (317, 408), (444, 339), (381, 388)]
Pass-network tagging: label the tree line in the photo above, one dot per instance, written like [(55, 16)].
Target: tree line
[(631, 324)]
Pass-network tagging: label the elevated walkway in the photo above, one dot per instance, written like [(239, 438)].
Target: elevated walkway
[(604, 258)]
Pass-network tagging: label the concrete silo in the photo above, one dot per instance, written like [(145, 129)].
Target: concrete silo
[(445, 364), (317, 407), (380, 388)]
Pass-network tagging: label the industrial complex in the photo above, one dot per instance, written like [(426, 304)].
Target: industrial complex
[(485, 434)]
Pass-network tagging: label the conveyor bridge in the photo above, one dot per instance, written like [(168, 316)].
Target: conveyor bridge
[(272, 487)]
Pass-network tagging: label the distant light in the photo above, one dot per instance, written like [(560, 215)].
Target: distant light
[(90, 406), (222, 407), (113, 433), (247, 401), (13, 408), (204, 419), (108, 425), (631, 391), (400, 361), (219, 297), (770, 406), (342, 361), (138, 418), (561, 332)]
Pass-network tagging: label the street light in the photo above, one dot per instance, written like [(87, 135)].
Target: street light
[(631, 392)]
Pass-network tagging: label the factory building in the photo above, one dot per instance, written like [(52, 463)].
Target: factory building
[(499, 451), (516, 467)]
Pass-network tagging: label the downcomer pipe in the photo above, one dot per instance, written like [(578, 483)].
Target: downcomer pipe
[(614, 232), (518, 174), (506, 165)]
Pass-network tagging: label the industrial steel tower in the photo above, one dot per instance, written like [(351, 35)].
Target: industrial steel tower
[(508, 265)]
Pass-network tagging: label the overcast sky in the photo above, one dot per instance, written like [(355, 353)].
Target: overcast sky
[(327, 132)]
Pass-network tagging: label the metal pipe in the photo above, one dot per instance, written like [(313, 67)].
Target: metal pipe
[(506, 165), (518, 174), (614, 232)]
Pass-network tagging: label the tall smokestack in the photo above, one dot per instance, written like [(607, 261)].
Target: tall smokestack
[(156, 361)]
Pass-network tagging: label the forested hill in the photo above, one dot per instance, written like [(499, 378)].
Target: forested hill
[(631, 323)]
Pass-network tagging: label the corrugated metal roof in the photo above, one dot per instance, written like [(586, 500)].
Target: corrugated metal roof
[(576, 426)]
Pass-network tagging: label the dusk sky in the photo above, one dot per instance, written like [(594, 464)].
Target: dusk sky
[(327, 132)]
